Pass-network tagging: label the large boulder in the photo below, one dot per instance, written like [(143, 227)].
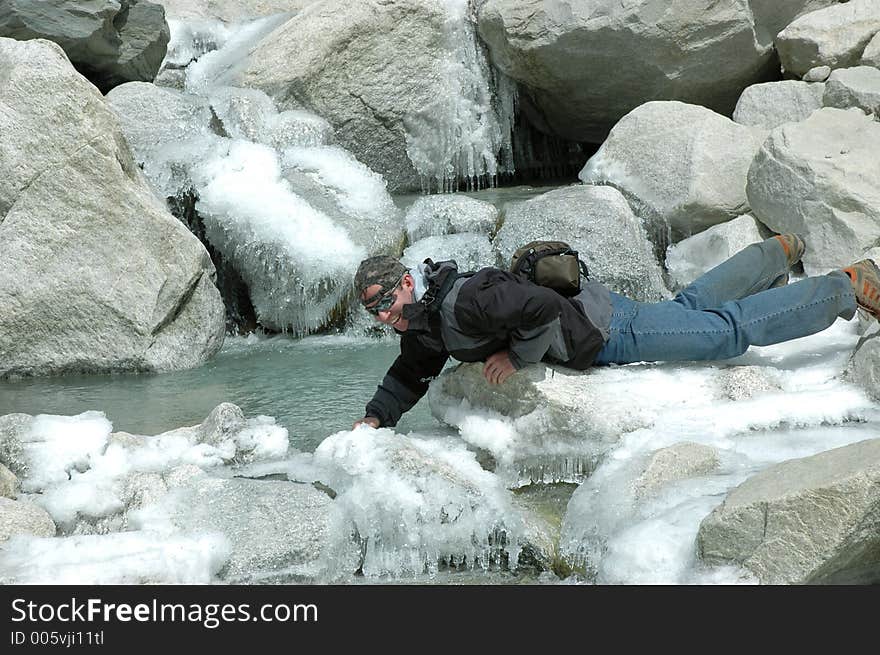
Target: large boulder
[(469, 250), (771, 104), (230, 10), (598, 223), (871, 55), (854, 87), (584, 65), (682, 164), (835, 36), (437, 215), (403, 82), (108, 41), (820, 178), (96, 274), (806, 521), (864, 367)]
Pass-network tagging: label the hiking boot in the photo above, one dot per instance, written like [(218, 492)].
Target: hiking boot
[(865, 278), (794, 248)]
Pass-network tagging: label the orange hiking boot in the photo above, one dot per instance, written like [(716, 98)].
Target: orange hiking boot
[(865, 278), (794, 248)]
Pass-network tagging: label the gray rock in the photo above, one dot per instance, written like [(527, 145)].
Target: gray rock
[(274, 527), (21, 517), (864, 367), (109, 41), (9, 484), (436, 215), (806, 521), (854, 87), (133, 291), (231, 11), (677, 462), (744, 382), (681, 164), (817, 74), (172, 78), (224, 421), (820, 178), (470, 251), (584, 65), (12, 428), (834, 36), (690, 258), (771, 104), (871, 55), (403, 83), (598, 223)]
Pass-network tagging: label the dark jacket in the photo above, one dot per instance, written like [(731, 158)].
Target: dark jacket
[(481, 314)]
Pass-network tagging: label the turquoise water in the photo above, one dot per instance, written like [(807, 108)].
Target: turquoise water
[(313, 387)]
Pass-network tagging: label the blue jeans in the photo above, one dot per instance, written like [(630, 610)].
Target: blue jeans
[(726, 310)]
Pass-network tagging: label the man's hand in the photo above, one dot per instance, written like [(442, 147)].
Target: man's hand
[(498, 367), (372, 421)]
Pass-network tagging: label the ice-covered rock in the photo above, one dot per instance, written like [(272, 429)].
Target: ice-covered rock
[(109, 41), (417, 504), (854, 87), (9, 484), (871, 55), (18, 517), (771, 104), (584, 65), (835, 36), (124, 558), (745, 382), (276, 530), (470, 251), (96, 274), (690, 258), (598, 223), (436, 215), (676, 462), (404, 84), (806, 521), (820, 178), (677, 163)]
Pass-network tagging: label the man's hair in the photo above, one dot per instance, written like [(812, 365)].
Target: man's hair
[(383, 270)]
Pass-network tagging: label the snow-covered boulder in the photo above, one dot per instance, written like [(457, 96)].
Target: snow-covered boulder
[(436, 215), (470, 251), (680, 163), (805, 521), (820, 178), (598, 223)]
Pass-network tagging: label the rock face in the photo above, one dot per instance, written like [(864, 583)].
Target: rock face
[(854, 87), (821, 178), (835, 36), (598, 223), (403, 82), (690, 258), (864, 368), (96, 275), (20, 517), (109, 41), (583, 65), (771, 104), (680, 163), (805, 521)]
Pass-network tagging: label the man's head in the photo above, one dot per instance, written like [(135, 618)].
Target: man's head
[(384, 286)]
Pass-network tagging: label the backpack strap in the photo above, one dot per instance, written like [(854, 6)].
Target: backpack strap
[(437, 291)]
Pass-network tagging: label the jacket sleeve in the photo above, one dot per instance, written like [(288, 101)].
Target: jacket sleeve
[(406, 381), (528, 316)]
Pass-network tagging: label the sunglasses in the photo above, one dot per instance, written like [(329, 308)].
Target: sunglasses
[(385, 301)]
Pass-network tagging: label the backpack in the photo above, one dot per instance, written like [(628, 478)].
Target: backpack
[(550, 264)]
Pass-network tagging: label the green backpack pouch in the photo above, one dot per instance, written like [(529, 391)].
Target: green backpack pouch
[(550, 264)]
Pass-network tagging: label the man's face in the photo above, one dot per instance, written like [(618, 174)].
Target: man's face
[(402, 295)]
